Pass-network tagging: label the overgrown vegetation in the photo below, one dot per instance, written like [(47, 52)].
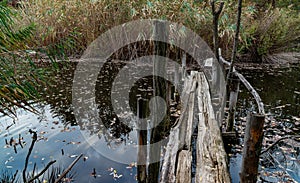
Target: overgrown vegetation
[(15, 88), (264, 26), (41, 29), (21, 74)]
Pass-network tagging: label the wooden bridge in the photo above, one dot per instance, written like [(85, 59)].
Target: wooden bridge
[(211, 157), (198, 114)]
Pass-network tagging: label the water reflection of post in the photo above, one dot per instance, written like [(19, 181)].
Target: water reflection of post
[(142, 136)]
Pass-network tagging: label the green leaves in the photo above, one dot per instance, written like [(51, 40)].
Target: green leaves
[(10, 38), (16, 87)]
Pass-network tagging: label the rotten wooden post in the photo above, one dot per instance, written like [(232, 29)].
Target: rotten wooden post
[(142, 150), (161, 90), (234, 85), (252, 147)]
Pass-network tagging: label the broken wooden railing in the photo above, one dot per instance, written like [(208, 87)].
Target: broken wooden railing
[(211, 158), (254, 126)]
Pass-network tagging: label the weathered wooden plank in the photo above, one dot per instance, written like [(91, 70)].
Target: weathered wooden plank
[(177, 137), (183, 174), (184, 159), (211, 156)]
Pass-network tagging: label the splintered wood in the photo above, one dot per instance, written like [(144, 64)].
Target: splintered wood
[(211, 155), (211, 164)]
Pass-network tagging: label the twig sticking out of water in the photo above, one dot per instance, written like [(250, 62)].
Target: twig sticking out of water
[(68, 169), (42, 172), (14, 177), (20, 141), (34, 139)]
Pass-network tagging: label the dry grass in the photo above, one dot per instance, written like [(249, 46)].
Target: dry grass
[(84, 20)]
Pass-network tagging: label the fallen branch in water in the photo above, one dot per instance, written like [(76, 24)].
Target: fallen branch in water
[(277, 141), (43, 171), (256, 96), (281, 167), (68, 169), (250, 88)]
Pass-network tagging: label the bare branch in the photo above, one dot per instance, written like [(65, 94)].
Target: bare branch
[(68, 169), (275, 143), (14, 177), (34, 139), (42, 172), (250, 88), (216, 15), (236, 39)]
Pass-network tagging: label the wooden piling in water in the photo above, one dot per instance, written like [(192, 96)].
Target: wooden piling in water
[(142, 151), (252, 147), (234, 85), (160, 86)]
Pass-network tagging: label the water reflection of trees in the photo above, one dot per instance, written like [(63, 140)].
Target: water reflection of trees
[(58, 94), (113, 128)]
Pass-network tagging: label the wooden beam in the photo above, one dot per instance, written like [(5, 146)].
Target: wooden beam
[(177, 135), (211, 156)]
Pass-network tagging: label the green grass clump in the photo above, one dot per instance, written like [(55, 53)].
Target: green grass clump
[(275, 31)]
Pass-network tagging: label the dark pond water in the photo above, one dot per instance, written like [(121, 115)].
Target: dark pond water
[(62, 138)]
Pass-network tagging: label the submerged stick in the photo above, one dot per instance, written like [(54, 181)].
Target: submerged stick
[(279, 140)]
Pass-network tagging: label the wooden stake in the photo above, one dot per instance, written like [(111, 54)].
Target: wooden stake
[(252, 147), (142, 151), (234, 86)]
